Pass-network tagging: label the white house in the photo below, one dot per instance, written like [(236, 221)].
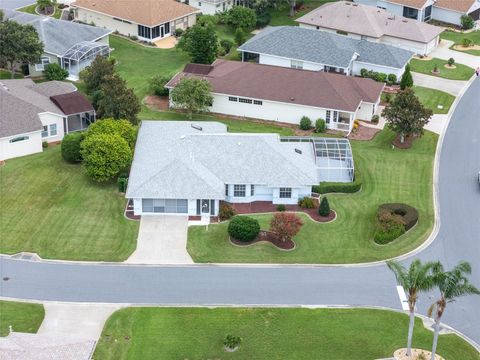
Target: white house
[(369, 23), (188, 168), (71, 45), (308, 49), (211, 7), (149, 20), (283, 94), (448, 11), (33, 113)]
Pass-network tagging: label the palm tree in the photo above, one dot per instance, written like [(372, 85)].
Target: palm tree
[(417, 278), (451, 284)]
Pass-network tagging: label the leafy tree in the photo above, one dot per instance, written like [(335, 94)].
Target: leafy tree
[(71, 146), (122, 128), (239, 36), (117, 101), (324, 208), (2, 15), (406, 115), (451, 284), (105, 156), (94, 75), (407, 79), (241, 17), (157, 84), (193, 95), (55, 72), (19, 44), (205, 19), (201, 43), (285, 225), (414, 280), (467, 22)]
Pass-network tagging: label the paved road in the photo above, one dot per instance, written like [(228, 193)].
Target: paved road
[(457, 240), (15, 4)]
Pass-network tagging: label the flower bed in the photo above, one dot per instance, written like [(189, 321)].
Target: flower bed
[(268, 236)]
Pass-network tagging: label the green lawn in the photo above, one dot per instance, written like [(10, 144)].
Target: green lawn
[(431, 98), (23, 317), (281, 15), (457, 38), (389, 175), (267, 333), (51, 208), (461, 72), (4, 74), (31, 10)]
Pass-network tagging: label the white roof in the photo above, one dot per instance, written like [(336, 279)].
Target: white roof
[(174, 160)]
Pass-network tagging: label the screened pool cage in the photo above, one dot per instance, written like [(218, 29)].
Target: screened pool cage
[(333, 157), (81, 55)]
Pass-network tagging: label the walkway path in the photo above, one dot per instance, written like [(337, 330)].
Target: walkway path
[(453, 87)]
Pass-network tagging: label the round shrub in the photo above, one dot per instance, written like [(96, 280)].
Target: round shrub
[(122, 128), (55, 72), (44, 144), (320, 126), (281, 208), (71, 147), (467, 22), (243, 228), (451, 61), (305, 123), (392, 79), (178, 32)]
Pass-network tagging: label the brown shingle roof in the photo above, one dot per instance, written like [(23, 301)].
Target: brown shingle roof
[(457, 5), (145, 12), (302, 87), (72, 103)]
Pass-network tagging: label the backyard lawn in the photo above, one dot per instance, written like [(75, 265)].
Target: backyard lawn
[(51, 208), (267, 333), (389, 175), (23, 317), (457, 38), (461, 72), (281, 15), (31, 10), (4, 74)]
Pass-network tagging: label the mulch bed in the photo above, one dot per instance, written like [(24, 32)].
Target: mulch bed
[(154, 102), (48, 11), (269, 237), (363, 133), (407, 143)]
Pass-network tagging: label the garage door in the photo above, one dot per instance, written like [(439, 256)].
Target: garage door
[(165, 206)]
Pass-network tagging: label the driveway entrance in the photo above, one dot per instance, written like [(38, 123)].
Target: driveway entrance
[(162, 239)]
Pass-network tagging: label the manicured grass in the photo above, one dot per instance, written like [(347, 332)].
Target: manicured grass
[(389, 175), (457, 38), (4, 74), (461, 72), (51, 208), (267, 333), (23, 317), (281, 15), (431, 98), (30, 9)]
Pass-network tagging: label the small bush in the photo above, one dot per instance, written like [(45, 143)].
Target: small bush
[(226, 44), (408, 213), (71, 147), (466, 42), (122, 182), (285, 225), (375, 119), (226, 212), (306, 203), (338, 187), (388, 98), (243, 228), (389, 227), (467, 22), (157, 85), (179, 32), (324, 208), (239, 36), (363, 72), (281, 208), (305, 123), (435, 68), (391, 79), (380, 77), (44, 144), (451, 61), (320, 126), (133, 37), (55, 72), (231, 342)]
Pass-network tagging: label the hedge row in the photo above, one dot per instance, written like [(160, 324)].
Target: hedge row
[(339, 187)]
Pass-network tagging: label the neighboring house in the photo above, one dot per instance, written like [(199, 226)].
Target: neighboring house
[(149, 20), (308, 49), (448, 11), (210, 7), (373, 24), (71, 45), (188, 168), (283, 94), (32, 113)]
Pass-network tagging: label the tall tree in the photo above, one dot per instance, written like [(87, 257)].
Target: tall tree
[(19, 44), (94, 75), (201, 43), (406, 115), (193, 95), (417, 278), (407, 80), (451, 284), (116, 100)]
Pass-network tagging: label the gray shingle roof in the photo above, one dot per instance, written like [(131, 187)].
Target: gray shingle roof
[(17, 116), (174, 160), (323, 47), (58, 35)]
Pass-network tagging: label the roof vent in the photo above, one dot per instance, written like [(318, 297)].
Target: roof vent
[(292, 99), (298, 151), (197, 127)]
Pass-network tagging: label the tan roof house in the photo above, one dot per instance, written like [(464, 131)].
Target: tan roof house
[(373, 24), (149, 20), (448, 11)]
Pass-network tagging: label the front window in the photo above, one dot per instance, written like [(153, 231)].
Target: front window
[(44, 61), (226, 189), (252, 190), (285, 193), (295, 64), (45, 131), (53, 129), (239, 190)]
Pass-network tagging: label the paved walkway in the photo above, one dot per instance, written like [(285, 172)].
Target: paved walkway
[(443, 51), (449, 86), (162, 240)]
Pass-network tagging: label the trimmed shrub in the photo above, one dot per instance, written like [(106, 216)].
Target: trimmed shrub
[(226, 212), (243, 228), (391, 79), (232, 342), (324, 208), (122, 128), (179, 32), (306, 203), (305, 123), (375, 119), (122, 182), (380, 77), (466, 42), (281, 208), (320, 126), (363, 72), (226, 44), (338, 187), (133, 37), (408, 213), (467, 22), (157, 85), (55, 72), (44, 144), (451, 61), (71, 147)]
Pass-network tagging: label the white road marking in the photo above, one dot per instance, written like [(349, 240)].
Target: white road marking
[(403, 298)]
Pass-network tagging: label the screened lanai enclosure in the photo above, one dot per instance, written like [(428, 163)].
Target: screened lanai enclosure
[(333, 157), (81, 55)]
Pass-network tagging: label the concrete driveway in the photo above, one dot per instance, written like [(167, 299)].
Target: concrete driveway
[(162, 239), (453, 87), (443, 51)]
